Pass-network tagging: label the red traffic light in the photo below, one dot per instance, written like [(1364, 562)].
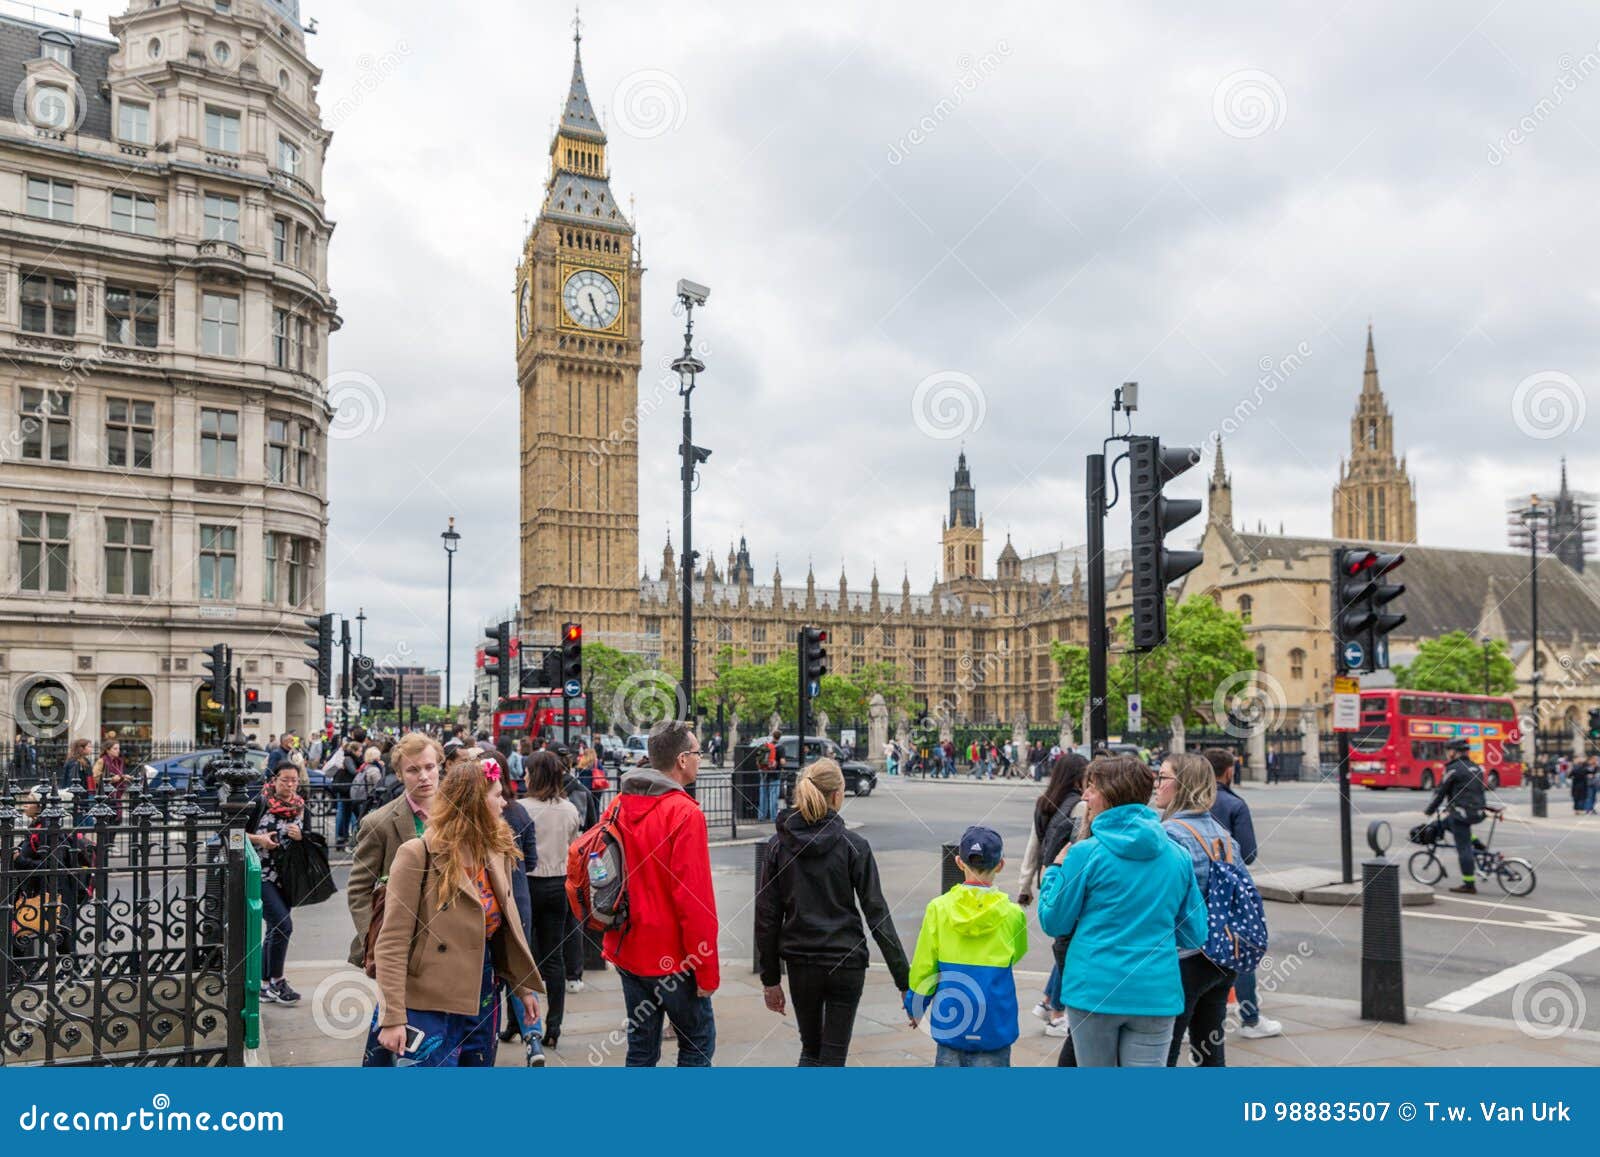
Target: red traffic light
[(251, 698), (1357, 561), (574, 633), (822, 636)]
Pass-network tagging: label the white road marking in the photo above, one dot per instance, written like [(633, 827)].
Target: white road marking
[(1511, 977), (1508, 906)]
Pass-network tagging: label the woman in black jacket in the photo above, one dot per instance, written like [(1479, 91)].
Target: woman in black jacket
[(815, 875)]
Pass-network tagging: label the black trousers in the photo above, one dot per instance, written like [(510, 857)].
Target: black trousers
[(1205, 1008), (547, 896), (825, 1001)]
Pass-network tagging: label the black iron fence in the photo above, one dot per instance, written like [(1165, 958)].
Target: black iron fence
[(118, 942), (725, 797)]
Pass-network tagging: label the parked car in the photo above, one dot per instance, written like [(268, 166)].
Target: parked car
[(180, 771), (612, 750), (859, 778), (636, 747)]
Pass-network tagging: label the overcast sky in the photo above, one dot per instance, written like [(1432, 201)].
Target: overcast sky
[(929, 225)]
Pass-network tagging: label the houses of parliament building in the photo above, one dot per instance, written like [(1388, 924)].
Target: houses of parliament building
[(976, 646)]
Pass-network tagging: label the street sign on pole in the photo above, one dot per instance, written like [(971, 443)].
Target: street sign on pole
[(1346, 703), (1354, 655), (572, 688), (1135, 713)]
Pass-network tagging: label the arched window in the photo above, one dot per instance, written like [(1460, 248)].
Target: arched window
[(128, 708), (1297, 664), (1246, 606)]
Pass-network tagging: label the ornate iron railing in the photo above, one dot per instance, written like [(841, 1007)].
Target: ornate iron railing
[(118, 943)]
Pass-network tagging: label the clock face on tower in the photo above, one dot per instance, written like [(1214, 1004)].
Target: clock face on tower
[(525, 309), (591, 299)]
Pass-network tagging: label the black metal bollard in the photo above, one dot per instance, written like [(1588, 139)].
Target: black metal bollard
[(1383, 984), (950, 873), (1540, 794)]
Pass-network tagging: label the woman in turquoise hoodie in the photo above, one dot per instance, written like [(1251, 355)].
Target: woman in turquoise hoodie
[(1127, 897)]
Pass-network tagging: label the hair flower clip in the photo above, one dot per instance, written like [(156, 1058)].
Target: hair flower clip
[(491, 770)]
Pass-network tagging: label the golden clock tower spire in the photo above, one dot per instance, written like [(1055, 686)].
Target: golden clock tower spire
[(578, 357)]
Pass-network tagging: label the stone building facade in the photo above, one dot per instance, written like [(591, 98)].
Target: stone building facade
[(165, 313)]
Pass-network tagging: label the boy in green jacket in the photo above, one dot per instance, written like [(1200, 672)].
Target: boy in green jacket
[(971, 937)]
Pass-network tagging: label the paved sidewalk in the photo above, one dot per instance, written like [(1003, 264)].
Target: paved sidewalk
[(328, 1027)]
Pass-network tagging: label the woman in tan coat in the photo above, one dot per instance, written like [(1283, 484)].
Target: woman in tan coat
[(451, 929)]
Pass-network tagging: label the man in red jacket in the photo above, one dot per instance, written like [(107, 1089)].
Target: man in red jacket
[(666, 954)]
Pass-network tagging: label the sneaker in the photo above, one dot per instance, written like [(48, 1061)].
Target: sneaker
[(286, 995), (576, 986), (269, 994), (1044, 1012), (533, 1050), (1263, 1028), (1469, 888), (1057, 1027)]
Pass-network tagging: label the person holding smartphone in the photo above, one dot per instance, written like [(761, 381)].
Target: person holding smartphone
[(452, 927)]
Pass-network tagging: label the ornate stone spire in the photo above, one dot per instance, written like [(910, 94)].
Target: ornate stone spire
[(1219, 491), (874, 603), (1374, 500), (811, 587)]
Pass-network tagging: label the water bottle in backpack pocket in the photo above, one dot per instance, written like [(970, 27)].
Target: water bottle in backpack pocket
[(597, 876)]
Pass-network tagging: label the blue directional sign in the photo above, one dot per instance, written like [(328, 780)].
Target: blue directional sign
[(1354, 655), (572, 688), (1380, 653)]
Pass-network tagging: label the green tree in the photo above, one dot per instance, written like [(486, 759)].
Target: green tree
[(839, 697), (1072, 662), (1455, 662), (883, 678), (611, 675), (1205, 648)]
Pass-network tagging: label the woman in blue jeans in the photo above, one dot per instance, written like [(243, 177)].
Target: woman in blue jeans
[(273, 820), (1126, 895)]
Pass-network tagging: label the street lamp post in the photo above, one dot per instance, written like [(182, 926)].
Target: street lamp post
[(1487, 643), (361, 630), (687, 367), (451, 539)]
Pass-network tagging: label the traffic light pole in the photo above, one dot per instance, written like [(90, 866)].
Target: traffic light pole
[(344, 687), (1099, 640)]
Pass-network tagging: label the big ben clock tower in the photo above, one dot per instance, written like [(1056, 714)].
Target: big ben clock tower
[(578, 357)]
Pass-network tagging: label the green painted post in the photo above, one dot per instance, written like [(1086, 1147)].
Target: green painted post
[(252, 951)]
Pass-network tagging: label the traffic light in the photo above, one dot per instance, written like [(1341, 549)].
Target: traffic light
[(497, 658), (1360, 624), (1155, 568), (364, 677), (322, 645), (219, 661), (813, 657), (546, 675), (1594, 724), (571, 653), (254, 704)]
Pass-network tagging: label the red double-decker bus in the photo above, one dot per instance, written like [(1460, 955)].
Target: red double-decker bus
[(1401, 742), (539, 716)]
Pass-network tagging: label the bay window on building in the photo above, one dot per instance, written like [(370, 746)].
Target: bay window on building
[(133, 316)]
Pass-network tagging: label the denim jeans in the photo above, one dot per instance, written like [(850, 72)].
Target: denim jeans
[(767, 808), (949, 1058), (344, 818), (1109, 1040), (1244, 986), (648, 998), (1052, 987), (278, 927)]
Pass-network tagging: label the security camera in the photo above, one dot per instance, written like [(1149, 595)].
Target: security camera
[(700, 453), (692, 291)]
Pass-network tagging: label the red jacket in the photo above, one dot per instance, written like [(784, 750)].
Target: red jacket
[(672, 909)]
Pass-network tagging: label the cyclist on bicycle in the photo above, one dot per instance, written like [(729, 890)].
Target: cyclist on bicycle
[(1461, 793)]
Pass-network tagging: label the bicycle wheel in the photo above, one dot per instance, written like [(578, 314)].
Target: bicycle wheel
[(1516, 877), (1425, 867)]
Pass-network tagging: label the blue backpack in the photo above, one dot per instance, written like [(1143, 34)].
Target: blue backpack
[(1236, 920)]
